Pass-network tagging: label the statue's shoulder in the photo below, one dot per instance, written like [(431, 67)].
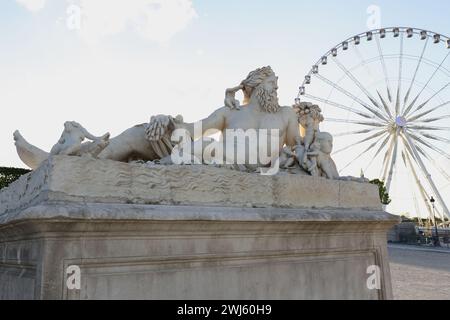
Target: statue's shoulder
[(288, 111), (223, 111)]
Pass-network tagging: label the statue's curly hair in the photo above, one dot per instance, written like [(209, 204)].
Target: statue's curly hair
[(304, 108), (255, 78)]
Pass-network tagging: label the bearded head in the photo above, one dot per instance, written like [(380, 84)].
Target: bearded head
[(262, 84)]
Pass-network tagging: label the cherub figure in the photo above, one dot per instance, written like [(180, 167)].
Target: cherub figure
[(299, 149), (311, 159), (325, 163), (287, 157), (309, 118), (71, 141)]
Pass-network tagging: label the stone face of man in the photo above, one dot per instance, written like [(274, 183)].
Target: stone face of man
[(267, 95), (271, 83)]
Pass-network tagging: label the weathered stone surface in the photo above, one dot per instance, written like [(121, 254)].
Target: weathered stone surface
[(146, 233), (64, 178)]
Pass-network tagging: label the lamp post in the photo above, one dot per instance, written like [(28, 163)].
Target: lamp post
[(436, 242)]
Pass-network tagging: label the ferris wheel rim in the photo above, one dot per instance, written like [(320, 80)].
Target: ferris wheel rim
[(415, 31)]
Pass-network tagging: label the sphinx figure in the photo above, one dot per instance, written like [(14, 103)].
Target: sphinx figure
[(71, 143), (296, 132)]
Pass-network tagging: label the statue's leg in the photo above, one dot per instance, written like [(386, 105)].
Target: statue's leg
[(132, 143)]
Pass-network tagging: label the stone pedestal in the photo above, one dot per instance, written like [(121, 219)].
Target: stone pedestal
[(189, 232)]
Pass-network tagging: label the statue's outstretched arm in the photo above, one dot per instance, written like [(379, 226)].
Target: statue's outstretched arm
[(162, 125), (215, 122)]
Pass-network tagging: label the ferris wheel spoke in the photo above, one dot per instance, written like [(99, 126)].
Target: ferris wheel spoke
[(442, 171), (405, 143), (387, 159), (429, 99), (419, 185), (416, 202), (385, 105), (393, 162), (418, 182), (340, 106), (383, 65), (430, 146), (434, 128), (351, 96), (426, 173), (416, 117), (363, 61), (419, 149), (425, 86), (376, 135), (403, 157), (364, 123), (434, 137), (350, 75), (422, 152), (362, 153), (415, 74), (431, 159), (399, 84), (436, 165), (429, 120), (382, 146), (348, 133)]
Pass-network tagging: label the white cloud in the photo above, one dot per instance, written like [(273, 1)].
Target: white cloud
[(157, 20), (33, 5)]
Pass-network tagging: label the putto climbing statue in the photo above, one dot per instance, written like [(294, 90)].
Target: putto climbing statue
[(289, 135)]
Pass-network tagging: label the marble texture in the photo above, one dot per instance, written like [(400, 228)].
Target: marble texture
[(188, 232), (64, 178)]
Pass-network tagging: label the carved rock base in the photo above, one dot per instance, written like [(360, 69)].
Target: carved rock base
[(70, 212)]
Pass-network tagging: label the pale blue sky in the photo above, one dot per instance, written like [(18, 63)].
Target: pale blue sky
[(113, 78)]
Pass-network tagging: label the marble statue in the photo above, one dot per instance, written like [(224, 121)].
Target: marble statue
[(300, 144), (71, 143), (320, 157), (260, 110), (309, 118), (311, 159)]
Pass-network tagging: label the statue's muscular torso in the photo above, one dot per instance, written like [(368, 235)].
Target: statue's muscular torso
[(251, 117)]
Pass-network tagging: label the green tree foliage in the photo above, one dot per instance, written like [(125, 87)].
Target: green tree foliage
[(9, 175), (384, 195)]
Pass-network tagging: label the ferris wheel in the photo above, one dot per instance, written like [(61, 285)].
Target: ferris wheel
[(385, 94)]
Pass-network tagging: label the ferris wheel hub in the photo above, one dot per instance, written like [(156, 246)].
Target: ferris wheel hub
[(400, 121)]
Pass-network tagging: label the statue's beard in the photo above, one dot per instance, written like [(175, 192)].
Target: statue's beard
[(268, 100)]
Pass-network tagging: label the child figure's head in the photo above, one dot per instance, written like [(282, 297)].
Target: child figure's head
[(326, 142)]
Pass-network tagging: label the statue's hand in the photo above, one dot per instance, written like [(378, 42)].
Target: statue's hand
[(158, 127), (232, 103), (230, 98)]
